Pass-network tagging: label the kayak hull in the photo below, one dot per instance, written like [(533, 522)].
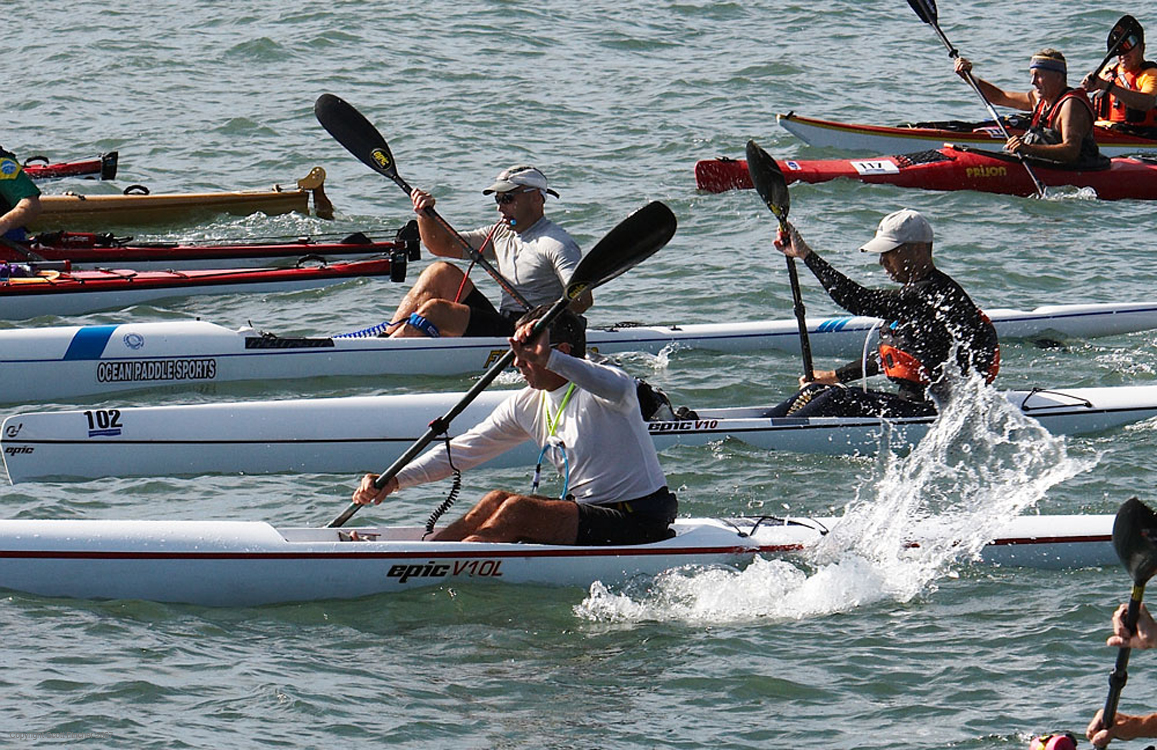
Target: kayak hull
[(877, 139), (947, 168), (46, 364), (80, 292), (86, 251), (103, 167), (83, 211), (350, 434), (235, 564)]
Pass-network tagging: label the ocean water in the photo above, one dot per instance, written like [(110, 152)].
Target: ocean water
[(857, 647)]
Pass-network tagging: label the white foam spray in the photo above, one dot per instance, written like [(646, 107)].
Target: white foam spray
[(981, 464)]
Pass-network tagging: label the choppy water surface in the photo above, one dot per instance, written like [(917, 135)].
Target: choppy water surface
[(861, 645)]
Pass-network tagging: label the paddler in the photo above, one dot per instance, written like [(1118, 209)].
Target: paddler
[(1062, 117), (585, 416), (534, 254), (1125, 94), (1126, 727), (931, 329), (19, 198)]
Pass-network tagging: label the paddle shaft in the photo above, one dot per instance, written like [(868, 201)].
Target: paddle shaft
[(27, 253), (473, 254), (952, 53), (440, 425), (1120, 675), (805, 346)]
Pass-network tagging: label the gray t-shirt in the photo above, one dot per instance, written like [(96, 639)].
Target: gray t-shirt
[(539, 262)]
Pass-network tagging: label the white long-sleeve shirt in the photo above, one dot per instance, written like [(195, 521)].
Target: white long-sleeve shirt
[(612, 456)]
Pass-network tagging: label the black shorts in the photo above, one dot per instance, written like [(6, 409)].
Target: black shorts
[(641, 521), (485, 320), (816, 400)]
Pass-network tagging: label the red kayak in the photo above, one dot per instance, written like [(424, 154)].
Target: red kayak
[(103, 167), (86, 250), (28, 290), (947, 168)]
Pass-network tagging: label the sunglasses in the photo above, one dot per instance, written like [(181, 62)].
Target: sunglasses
[(503, 199)]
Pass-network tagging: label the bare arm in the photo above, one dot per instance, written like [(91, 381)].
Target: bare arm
[(23, 213), (994, 94), (437, 239), (1073, 122)]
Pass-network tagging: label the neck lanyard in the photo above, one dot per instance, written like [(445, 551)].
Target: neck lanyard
[(552, 426)]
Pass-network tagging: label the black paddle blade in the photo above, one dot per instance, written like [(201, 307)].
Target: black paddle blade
[(1135, 539), (633, 240), (351, 129), (1119, 35), (926, 9), (768, 180)]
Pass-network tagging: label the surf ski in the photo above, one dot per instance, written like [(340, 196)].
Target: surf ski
[(46, 364), (103, 167), (352, 434), (249, 563)]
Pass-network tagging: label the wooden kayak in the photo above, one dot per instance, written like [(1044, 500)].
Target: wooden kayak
[(50, 363), (88, 250), (103, 167), (76, 210), (249, 563), (79, 292), (352, 434), (947, 168), (920, 136)]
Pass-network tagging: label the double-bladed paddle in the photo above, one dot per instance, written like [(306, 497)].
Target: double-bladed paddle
[(1135, 539), (351, 129), (633, 240), (926, 9), (772, 187), (1125, 29)]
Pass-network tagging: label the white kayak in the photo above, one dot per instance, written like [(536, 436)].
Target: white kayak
[(247, 563), (44, 364), (363, 433)]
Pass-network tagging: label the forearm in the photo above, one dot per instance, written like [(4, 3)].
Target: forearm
[(1001, 98), (437, 238), (1133, 99), (23, 213)]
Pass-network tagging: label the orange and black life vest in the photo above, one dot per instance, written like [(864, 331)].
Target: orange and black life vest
[(900, 365), (1114, 111)]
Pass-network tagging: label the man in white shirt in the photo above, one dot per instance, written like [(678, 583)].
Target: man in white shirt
[(587, 418), (533, 253)]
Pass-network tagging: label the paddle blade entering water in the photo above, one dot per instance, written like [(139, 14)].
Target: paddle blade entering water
[(351, 129), (768, 180), (1135, 539), (633, 240)]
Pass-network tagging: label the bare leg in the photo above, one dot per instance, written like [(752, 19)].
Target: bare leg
[(525, 518), (450, 318), (475, 517), (440, 281)]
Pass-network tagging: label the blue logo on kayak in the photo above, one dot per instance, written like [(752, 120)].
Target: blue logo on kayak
[(792, 165), (134, 340), (833, 324)]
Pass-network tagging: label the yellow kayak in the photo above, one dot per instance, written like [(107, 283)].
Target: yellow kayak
[(138, 206)]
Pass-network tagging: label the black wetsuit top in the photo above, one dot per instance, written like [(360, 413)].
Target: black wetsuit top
[(924, 318)]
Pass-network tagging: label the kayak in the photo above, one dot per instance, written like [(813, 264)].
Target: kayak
[(249, 563), (947, 168), (45, 364), (103, 167), (919, 136), (86, 250), (355, 434), (52, 292), (73, 210)]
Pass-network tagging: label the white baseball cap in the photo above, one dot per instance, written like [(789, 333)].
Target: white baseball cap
[(898, 228), (522, 175)]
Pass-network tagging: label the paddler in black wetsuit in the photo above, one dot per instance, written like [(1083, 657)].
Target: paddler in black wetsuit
[(928, 323)]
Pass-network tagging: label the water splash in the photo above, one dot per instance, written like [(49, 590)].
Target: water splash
[(982, 463)]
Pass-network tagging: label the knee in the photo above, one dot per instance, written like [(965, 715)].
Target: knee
[(441, 270)]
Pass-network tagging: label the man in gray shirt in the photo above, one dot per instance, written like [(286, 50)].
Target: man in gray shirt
[(533, 253)]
